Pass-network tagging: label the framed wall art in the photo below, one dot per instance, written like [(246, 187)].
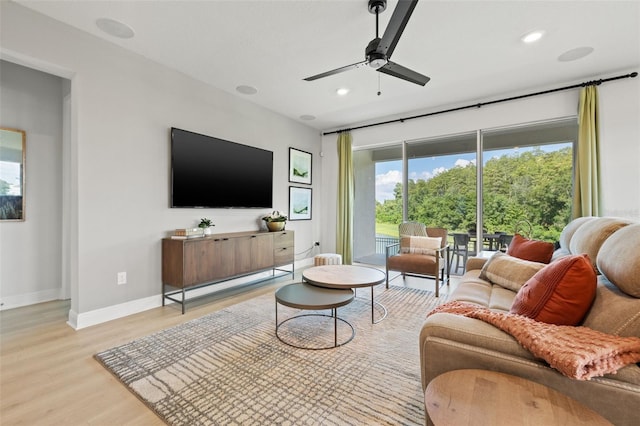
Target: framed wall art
[(299, 203), (12, 173), (299, 166)]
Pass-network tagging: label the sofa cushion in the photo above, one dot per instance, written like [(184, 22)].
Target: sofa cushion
[(532, 250), (570, 229), (589, 237), (481, 292), (559, 253), (420, 245), (475, 263), (473, 290), (501, 299), (561, 293), (508, 271), (619, 260), (613, 311)]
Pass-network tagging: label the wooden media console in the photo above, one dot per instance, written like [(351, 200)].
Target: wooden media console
[(193, 263)]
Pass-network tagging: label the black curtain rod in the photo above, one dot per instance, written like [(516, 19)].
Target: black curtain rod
[(481, 104)]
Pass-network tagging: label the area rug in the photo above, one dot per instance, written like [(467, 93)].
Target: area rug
[(228, 367)]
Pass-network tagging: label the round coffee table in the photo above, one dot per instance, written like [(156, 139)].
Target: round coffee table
[(308, 297), (347, 277), (481, 397)]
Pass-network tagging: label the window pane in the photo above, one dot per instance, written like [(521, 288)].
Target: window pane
[(442, 182), (527, 180), (388, 197)]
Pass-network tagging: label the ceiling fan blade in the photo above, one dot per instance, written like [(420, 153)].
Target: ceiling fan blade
[(336, 71), (391, 68), (398, 21)]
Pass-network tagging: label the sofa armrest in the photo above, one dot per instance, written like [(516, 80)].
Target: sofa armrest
[(475, 263), (464, 331)]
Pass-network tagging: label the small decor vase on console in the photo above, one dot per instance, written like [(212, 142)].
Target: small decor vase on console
[(205, 225), (275, 221), (276, 226)]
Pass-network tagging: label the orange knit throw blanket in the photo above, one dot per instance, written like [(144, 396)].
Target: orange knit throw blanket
[(577, 352)]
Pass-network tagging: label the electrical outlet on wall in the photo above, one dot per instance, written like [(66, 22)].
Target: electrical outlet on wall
[(122, 278)]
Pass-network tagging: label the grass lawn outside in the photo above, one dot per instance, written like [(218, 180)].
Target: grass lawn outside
[(390, 229)]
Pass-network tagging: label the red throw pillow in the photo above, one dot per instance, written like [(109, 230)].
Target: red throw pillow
[(532, 250), (561, 293)]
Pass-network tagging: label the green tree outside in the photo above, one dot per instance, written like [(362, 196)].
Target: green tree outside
[(534, 186)]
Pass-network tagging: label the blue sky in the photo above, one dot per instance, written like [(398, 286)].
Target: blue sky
[(389, 173)]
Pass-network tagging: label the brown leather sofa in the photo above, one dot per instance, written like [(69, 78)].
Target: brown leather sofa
[(451, 342)]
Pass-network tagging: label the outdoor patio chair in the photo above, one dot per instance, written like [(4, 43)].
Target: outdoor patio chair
[(504, 241), (412, 229), (461, 249)]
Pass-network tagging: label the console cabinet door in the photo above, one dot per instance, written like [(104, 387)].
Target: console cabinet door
[(242, 259), (222, 258), (261, 251), (197, 262)]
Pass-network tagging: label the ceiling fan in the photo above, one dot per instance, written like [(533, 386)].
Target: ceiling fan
[(379, 50)]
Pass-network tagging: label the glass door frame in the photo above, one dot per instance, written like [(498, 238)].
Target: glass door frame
[(480, 134)]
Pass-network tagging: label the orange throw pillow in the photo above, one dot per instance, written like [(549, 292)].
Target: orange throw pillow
[(532, 250), (561, 293)]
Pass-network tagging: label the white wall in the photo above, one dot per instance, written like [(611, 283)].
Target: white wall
[(122, 107), (30, 250), (620, 155), (619, 135)]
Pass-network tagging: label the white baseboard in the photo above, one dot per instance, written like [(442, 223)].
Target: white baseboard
[(17, 301), (98, 316), (86, 319)]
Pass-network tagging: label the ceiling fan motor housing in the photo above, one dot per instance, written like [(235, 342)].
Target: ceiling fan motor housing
[(377, 6), (375, 59)]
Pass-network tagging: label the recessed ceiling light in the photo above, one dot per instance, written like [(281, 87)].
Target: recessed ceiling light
[(575, 54), (342, 91), (247, 90), (307, 117), (532, 37), (115, 28)]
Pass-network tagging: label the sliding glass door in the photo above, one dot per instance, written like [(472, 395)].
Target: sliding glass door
[(486, 184)]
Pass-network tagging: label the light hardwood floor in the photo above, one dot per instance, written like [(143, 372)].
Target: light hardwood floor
[(48, 375)]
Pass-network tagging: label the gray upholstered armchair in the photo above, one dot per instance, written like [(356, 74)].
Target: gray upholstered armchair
[(421, 251)]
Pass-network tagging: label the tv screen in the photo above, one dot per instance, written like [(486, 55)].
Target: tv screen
[(215, 173)]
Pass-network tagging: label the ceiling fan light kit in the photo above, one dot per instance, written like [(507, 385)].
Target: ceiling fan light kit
[(379, 50), (377, 60)]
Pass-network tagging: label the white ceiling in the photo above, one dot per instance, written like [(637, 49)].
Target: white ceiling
[(470, 49)]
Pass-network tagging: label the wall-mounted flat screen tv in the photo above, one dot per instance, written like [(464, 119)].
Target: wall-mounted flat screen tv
[(214, 173)]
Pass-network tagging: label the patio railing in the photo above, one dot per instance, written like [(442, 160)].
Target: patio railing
[(383, 242)]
